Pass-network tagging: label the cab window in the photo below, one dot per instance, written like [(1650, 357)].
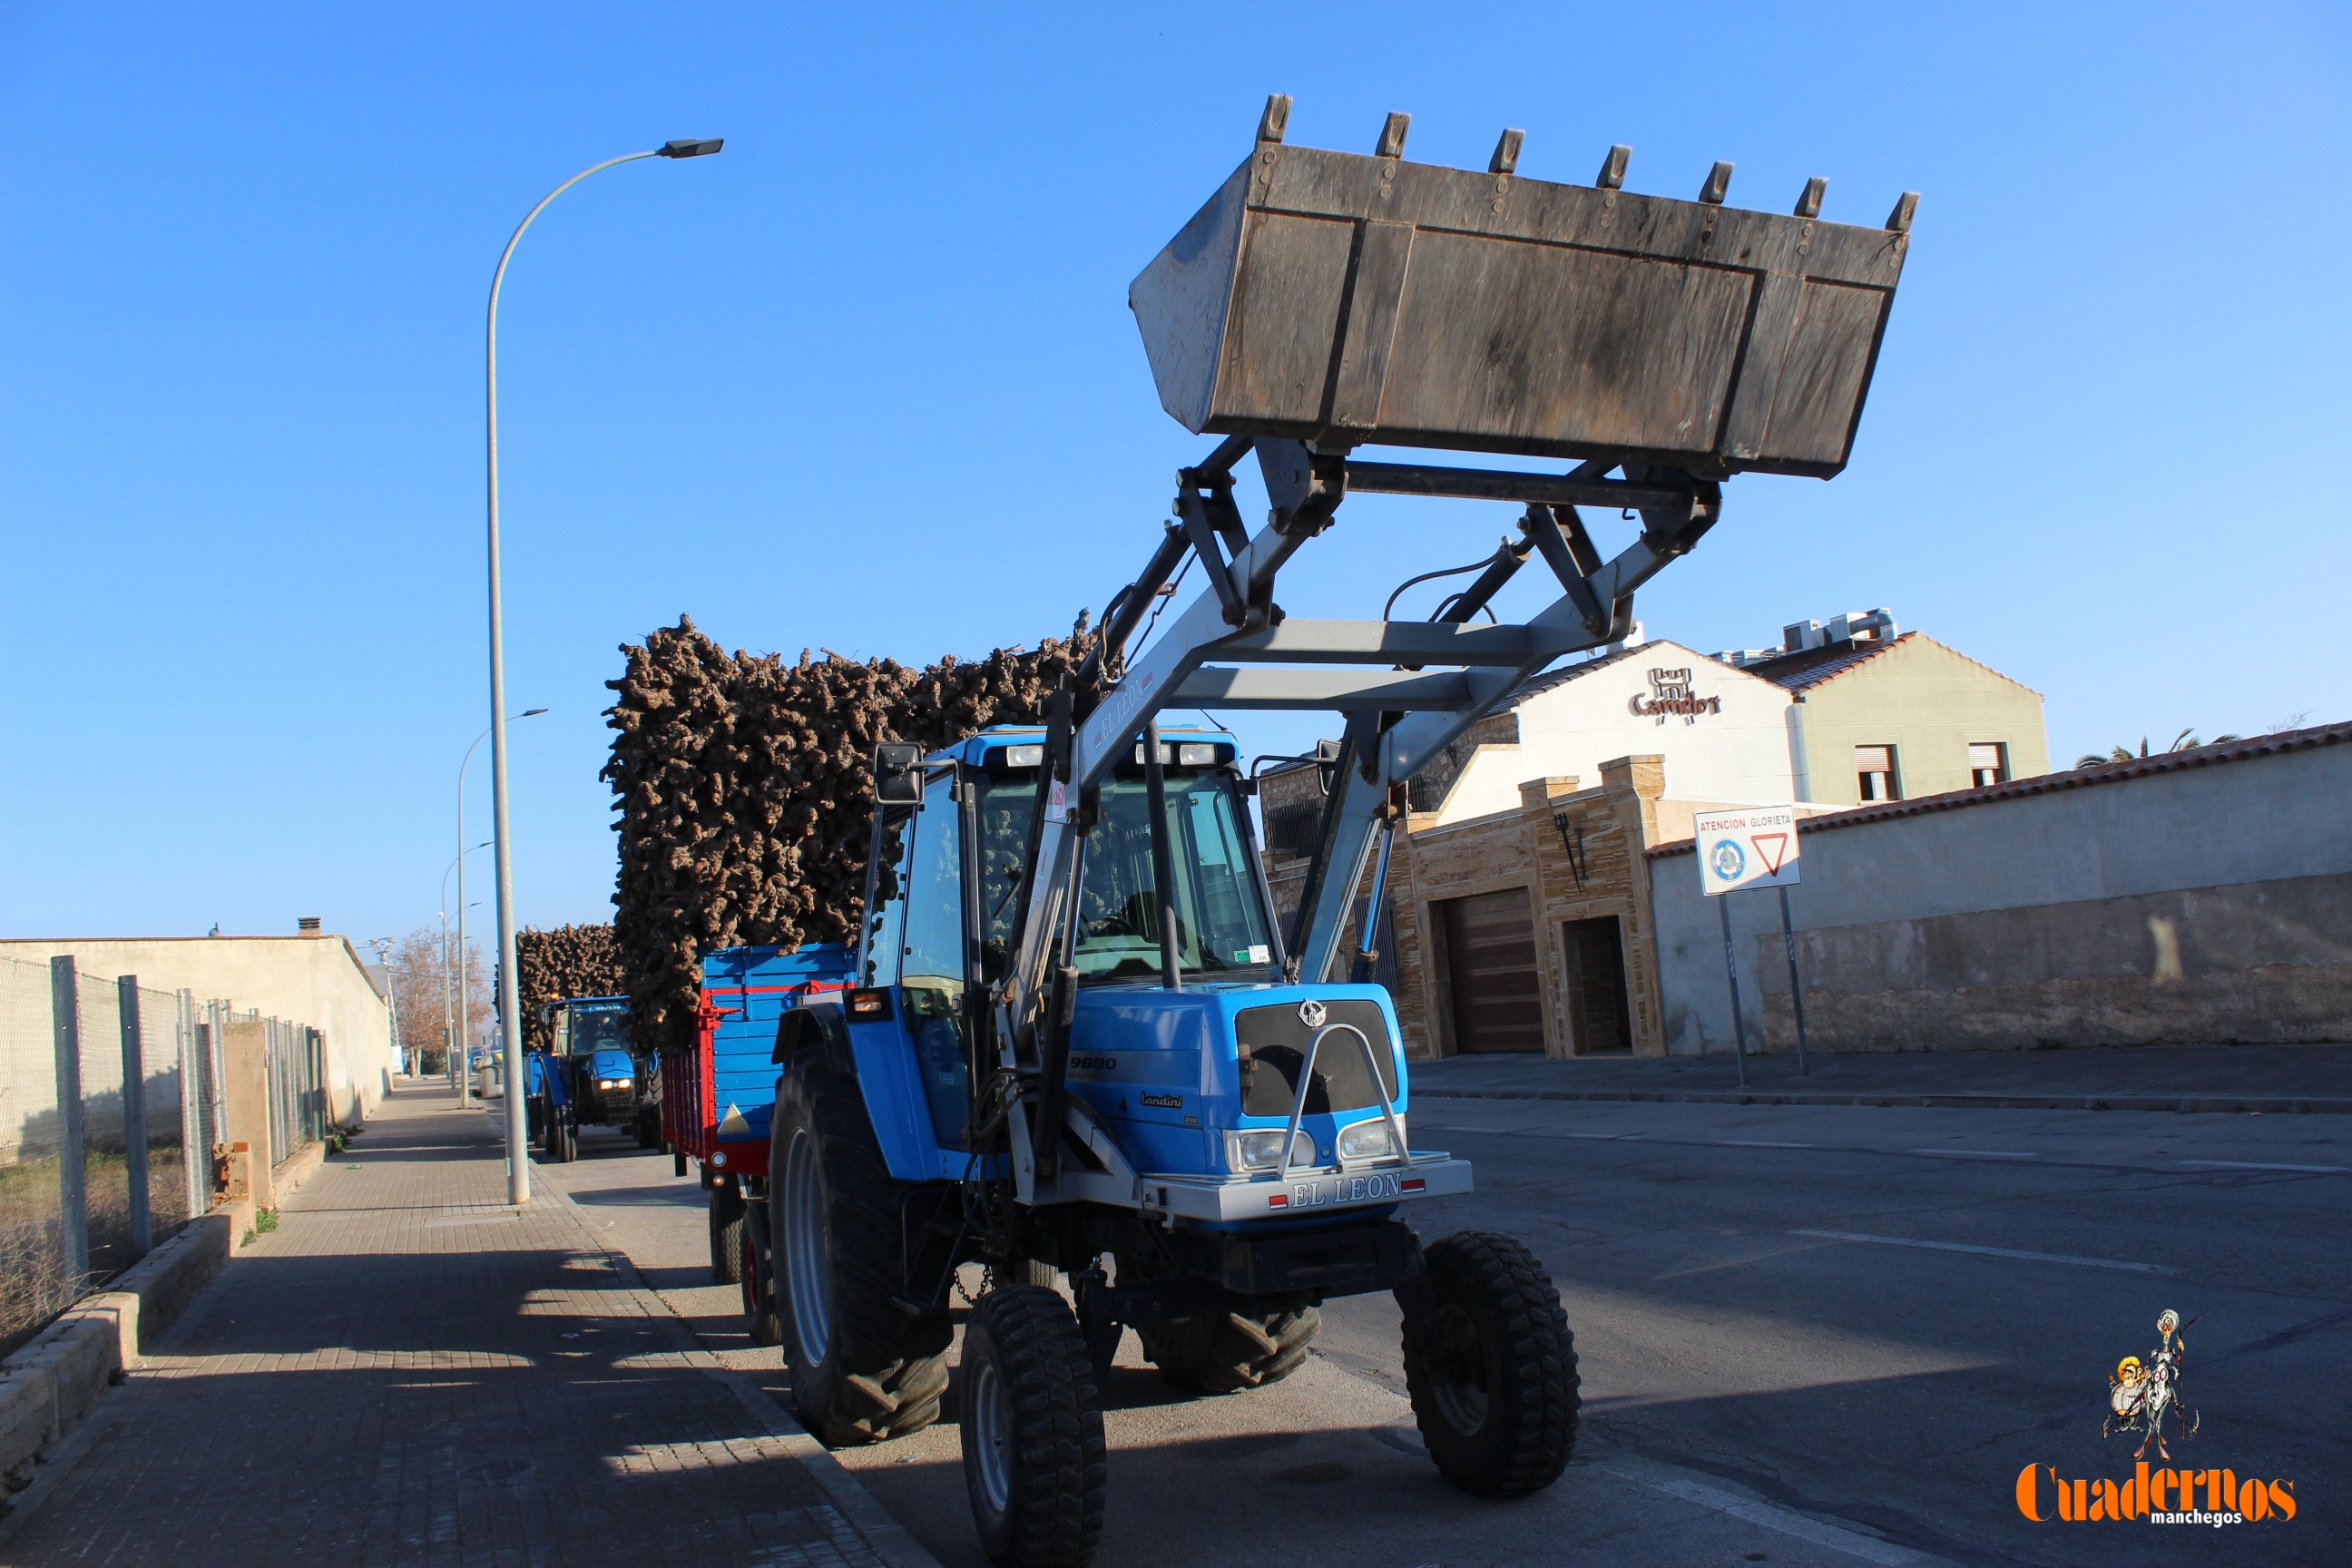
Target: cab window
[(931, 956)]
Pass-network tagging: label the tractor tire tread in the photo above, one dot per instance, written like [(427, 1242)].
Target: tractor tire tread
[(727, 1224), (1530, 1430), (895, 1365), (1056, 1512), (1225, 1353)]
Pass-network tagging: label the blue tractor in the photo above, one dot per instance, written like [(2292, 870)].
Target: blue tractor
[(1076, 1045), (587, 1076)]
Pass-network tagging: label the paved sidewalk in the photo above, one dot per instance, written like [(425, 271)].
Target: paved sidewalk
[(408, 1372), (2205, 1078)]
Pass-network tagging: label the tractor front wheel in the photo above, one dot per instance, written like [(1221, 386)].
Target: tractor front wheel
[(1490, 1364), (864, 1368), (562, 1144), (1032, 1430)]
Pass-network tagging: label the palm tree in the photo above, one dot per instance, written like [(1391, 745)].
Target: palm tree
[(2186, 741)]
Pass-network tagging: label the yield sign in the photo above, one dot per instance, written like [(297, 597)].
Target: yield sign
[(1746, 847)]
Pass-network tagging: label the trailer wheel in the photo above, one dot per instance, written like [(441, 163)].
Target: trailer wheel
[(1032, 1430), (1224, 1353), (726, 1232), (759, 1320), (864, 1368), (1490, 1364), (648, 1127)]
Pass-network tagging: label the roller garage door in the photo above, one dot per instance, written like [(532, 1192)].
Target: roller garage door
[(1490, 951)]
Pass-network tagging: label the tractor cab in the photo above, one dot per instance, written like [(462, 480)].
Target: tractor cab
[(586, 1076), (595, 1028), (1187, 1046)]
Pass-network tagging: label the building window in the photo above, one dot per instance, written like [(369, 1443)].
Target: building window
[(1290, 829), (1988, 762), (1875, 771)]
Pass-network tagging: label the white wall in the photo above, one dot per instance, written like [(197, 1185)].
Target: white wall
[(313, 980), (1738, 755), (2065, 909)]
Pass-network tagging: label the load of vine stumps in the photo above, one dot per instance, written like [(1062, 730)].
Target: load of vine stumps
[(569, 961), (745, 789)]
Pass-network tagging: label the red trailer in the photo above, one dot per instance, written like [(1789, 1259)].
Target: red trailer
[(716, 1101)]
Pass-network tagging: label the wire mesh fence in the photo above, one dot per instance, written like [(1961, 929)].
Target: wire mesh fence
[(297, 1100), (111, 1103)]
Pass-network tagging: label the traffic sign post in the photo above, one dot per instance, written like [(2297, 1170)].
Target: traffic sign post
[(1796, 990), (1751, 847), (1731, 968)]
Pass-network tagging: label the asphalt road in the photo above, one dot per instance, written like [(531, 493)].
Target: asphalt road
[(1807, 1335)]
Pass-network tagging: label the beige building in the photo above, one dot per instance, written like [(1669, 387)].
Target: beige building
[(1516, 915), (1877, 714)]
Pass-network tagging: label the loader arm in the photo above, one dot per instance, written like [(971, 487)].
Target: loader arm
[(1405, 688), (1321, 302)]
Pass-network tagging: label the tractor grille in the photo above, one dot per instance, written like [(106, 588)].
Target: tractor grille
[(1274, 1042)]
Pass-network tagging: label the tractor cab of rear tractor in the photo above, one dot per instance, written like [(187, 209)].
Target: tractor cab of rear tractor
[(588, 1075), (1078, 1043)]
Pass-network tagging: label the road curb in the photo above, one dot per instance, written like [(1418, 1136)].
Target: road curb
[(890, 1540), (1987, 1099)]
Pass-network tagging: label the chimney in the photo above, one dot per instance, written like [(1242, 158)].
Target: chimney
[(306, 925)]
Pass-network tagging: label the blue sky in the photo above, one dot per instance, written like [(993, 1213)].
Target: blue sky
[(867, 380)]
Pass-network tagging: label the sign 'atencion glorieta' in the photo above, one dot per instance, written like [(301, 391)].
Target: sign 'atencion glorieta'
[(1747, 847)]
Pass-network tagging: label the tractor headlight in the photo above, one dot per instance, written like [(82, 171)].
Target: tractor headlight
[(1263, 1150), (1368, 1140), (611, 1083)]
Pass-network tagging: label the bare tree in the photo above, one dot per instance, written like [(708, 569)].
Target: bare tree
[(419, 971)]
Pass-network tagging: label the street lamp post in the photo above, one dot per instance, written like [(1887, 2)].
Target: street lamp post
[(382, 946), (448, 976), (461, 1050), (509, 1028)]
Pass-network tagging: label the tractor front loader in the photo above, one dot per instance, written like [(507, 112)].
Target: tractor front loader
[(1077, 1043)]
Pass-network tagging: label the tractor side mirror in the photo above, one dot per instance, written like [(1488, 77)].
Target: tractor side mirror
[(898, 773)]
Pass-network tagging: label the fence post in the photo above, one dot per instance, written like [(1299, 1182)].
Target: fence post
[(73, 1191), (216, 1071), (134, 1115), (195, 1155)]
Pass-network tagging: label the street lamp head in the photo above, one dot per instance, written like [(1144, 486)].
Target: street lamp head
[(530, 713), (692, 147)]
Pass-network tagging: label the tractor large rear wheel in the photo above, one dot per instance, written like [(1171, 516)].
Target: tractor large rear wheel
[(863, 1369), (1224, 1353), (562, 1144)]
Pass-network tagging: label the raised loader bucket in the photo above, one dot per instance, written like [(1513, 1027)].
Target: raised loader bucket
[(1347, 299)]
